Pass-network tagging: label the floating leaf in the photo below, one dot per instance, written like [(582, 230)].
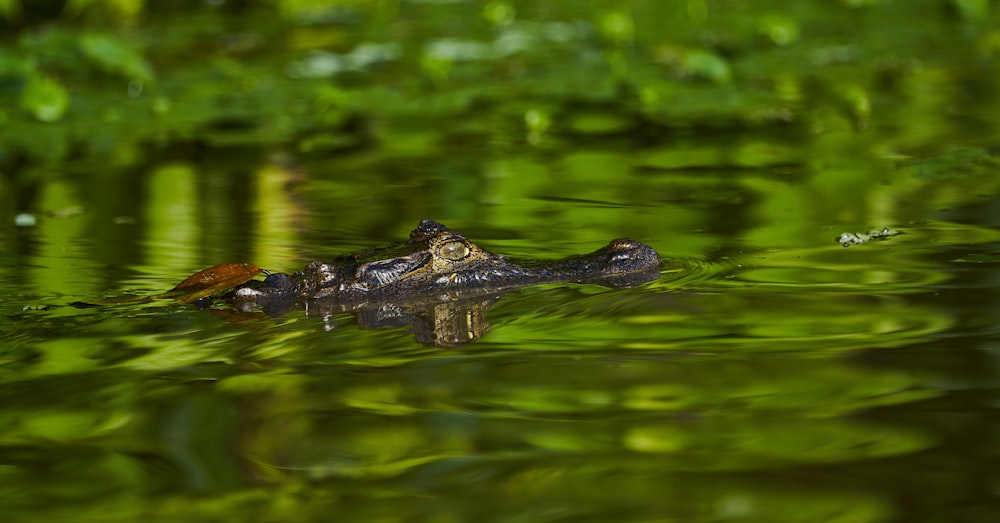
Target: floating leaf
[(212, 280)]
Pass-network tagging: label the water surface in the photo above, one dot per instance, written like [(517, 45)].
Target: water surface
[(769, 374)]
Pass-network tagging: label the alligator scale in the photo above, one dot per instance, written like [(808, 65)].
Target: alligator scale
[(437, 281)]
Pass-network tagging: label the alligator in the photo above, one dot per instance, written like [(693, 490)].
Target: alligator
[(437, 281)]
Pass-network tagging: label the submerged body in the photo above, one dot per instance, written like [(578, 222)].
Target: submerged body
[(438, 264)]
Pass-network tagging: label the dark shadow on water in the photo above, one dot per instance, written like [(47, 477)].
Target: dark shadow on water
[(444, 320)]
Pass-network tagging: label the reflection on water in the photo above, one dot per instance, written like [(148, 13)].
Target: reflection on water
[(789, 379), (768, 374), (772, 381)]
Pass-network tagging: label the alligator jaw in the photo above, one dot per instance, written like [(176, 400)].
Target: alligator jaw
[(439, 264), (621, 263)]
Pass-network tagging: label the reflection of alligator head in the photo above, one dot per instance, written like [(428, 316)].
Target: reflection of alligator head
[(438, 281)]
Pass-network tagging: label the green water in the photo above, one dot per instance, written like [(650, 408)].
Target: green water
[(769, 375)]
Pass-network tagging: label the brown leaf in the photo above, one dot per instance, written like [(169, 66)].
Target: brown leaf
[(212, 280)]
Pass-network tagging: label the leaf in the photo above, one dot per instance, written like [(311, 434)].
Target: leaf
[(45, 98), (212, 280), (10, 9), (116, 56), (706, 64)]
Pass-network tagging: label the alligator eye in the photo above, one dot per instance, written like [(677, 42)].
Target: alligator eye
[(454, 251)]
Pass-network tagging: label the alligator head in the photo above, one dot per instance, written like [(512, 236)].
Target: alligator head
[(436, 266)]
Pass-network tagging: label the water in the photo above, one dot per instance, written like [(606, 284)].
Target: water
[(769, 375)]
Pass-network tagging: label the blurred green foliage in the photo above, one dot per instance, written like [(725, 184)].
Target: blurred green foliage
[(281, 71), (740, 138)]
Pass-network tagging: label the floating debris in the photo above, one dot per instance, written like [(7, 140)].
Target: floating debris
[(66, 212), (35, 308), (25, 220), (983, 257), (849, 239)]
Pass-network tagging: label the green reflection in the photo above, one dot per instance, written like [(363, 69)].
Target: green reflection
[(62, 242), (770, 375), (172, 215)]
